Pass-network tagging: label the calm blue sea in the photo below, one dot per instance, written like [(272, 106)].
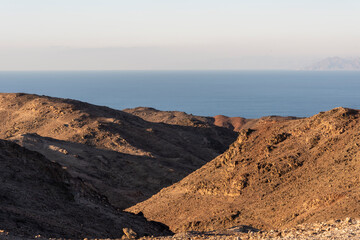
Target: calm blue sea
[(249, 94)]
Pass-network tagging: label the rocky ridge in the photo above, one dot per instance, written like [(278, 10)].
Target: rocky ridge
[(121, 155), (275, 176), (183, 119)]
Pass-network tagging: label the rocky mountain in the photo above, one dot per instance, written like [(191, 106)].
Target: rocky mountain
[(40, 198), (121, 155), (335, 63), (183, 119), (275, 175), (170, 117), (68, 168)]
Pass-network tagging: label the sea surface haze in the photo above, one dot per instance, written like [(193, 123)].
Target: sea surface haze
[(249, 94)]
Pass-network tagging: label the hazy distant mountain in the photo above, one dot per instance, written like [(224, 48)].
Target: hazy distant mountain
[(336, 63)]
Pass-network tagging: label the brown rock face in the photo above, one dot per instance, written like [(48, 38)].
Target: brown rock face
[(239, 123), (277, 175), (39, 197), (121, 155), (183, 119), (170, 117)]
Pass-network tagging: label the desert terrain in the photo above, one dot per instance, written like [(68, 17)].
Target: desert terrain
[(123, 156), (73, 170), (274, 176)]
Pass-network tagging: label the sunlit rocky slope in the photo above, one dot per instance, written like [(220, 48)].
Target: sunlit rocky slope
[(275, 175)]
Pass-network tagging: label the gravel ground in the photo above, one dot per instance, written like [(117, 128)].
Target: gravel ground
[(334, 230)]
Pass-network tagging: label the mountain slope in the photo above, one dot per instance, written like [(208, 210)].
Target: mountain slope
[(39, 197), (157, 154), (107, 128), (170, 117), (124, 179), (275, 176)]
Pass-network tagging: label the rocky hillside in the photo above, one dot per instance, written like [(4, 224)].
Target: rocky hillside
[(276, 175), (39, 197), (124, 179), (123, 156), (183, 119), (239, 123), (106, 128), (170, 117)]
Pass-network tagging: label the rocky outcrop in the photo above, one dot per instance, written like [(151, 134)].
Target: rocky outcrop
[(239, 123), (277, 175)]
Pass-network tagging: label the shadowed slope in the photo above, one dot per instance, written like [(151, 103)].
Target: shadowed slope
[(276, 176), (125, 179), (39, 197)]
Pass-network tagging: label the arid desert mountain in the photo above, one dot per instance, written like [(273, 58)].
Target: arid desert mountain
[(183, 119), (106, 128), (275, 175), (121, 155), (68, 168), (170, 117), (239, 123), (336, 63), (39, 197)]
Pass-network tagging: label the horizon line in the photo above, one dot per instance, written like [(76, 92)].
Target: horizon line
[(171, 70)]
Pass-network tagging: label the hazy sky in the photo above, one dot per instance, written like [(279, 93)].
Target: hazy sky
[(175, 34)]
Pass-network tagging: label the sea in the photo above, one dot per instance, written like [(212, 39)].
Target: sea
[(249, 94)]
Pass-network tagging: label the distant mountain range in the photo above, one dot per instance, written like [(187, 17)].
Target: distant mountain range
[(336, 63)]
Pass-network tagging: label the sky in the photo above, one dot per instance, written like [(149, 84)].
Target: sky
[(175, 34)]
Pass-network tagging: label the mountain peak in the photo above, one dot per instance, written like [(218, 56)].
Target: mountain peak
[(335, 64)]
